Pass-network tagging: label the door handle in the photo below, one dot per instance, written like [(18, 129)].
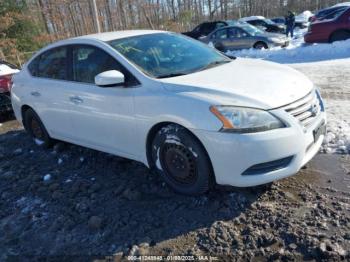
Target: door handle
[(76, 99), (35, 93)]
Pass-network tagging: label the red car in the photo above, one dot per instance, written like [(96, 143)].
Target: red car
[(6, 72), (331, 28)]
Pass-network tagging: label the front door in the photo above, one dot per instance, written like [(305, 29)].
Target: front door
[(103, 117), (238, 39)]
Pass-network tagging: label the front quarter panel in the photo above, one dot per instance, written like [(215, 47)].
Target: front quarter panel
[(157, 105)]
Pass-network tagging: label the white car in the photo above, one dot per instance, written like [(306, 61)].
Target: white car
[(175, 104)]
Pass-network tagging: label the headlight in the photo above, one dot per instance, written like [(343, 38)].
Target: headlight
[(245, 120)]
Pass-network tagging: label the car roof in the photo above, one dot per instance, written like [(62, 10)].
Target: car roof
[(342, 4), (251, 18), (108, 36)]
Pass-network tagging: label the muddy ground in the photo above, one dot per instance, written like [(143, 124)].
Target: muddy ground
[(73, 203)]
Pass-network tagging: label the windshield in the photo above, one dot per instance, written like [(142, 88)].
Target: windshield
[(268, 21), (163, 55), (334, 14), (252, 30)]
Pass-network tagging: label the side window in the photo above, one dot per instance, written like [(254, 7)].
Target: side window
[(33, 66), (219, 25), (207, 28), (221, 34), (198, 29), (89, 61), (51, 64), (236, 33), (253, 22)]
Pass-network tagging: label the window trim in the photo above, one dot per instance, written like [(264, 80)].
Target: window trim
[(69, 61)]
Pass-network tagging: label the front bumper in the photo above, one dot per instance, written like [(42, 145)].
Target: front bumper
[(279, 44), (232, 155)]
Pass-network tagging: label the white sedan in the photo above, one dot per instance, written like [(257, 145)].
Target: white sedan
[(180, 107)]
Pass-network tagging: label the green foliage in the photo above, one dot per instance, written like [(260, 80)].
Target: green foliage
[(18, 27)]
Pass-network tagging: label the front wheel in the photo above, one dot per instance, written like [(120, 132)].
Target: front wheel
[(260, 45), (182, 160)]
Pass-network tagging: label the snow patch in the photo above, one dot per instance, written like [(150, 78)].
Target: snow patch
[(193, 152), (6, 70), (38, 141), (298, 51), (173, 139), (159, 166), (47, 177)]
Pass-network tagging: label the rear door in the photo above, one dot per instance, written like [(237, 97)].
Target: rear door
[(49, 89)]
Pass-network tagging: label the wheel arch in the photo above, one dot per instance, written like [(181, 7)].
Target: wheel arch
[(337, 31), (152, 133), (261, 42), (24, 108)]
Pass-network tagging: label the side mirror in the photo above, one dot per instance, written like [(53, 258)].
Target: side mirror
[(109, 78)]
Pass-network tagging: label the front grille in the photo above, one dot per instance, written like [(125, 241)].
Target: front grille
[(267, 167), (306, 109)]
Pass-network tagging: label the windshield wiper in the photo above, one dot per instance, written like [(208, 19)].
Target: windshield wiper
[(214, 64), (171, 75)]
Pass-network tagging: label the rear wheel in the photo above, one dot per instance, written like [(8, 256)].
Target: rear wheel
[(340, 36), (36, 129), (182, 161), (260, 45)]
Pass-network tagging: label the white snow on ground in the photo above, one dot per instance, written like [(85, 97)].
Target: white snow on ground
[(337, 139), (299, 52), (333, 79)]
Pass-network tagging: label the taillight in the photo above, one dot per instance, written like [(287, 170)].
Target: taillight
[(5, 83)]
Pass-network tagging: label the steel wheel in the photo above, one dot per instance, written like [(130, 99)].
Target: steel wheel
[(180, 158), (179, 163)]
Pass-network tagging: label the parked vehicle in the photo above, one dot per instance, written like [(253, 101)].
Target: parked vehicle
[(205, 28), (264, 24), (243, 36), (298, 23), (175, 104), (320, 15), (7, 70), (331, 28)]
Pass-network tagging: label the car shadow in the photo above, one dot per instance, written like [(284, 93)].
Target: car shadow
[(74, 200), (5, 117)]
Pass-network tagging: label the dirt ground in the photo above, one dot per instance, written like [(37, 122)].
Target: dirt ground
[(77, 204)]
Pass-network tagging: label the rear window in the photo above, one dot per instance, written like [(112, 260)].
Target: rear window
[(51, 64)]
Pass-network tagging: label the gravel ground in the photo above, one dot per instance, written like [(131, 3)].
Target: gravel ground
[(73, 203)]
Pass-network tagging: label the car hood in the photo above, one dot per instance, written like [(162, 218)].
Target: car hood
[(244, 82)]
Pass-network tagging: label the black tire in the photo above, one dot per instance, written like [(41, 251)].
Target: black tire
[(339, 36), (36, 129), (181, 160), (260, 45)]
